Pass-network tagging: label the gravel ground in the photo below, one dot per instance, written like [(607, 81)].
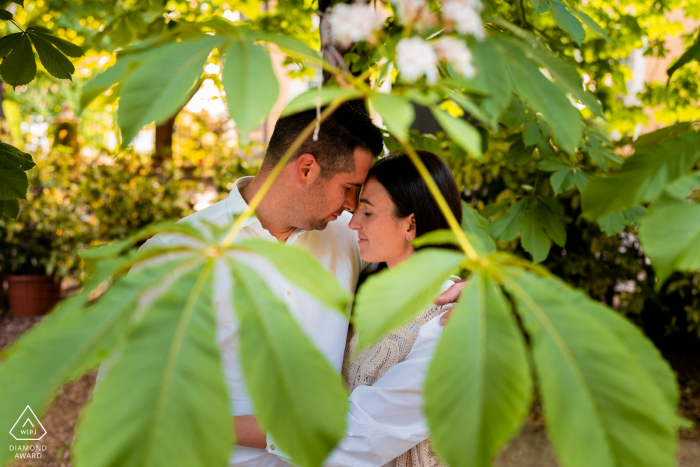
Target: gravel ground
[(529, 449)]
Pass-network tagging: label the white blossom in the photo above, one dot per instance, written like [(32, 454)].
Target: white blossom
[(415, 12), (353, 23), (463, 16), (415, 58), (456, 53)]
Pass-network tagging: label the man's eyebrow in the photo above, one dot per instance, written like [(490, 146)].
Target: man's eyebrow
[(365, 201)]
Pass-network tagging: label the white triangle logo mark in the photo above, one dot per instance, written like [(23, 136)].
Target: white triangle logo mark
[(28, 427)]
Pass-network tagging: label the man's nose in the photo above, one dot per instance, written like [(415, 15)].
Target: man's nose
[(350, 202), (353, 224)]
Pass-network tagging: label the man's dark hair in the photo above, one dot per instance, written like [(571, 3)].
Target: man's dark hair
[(347, 129)]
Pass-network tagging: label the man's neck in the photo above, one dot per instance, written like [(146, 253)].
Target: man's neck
[(268, 210)]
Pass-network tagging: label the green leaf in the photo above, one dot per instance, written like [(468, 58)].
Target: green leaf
[(613, 223), (302, 270), (13, 183), (562, 180), (289, 45), (670, 236), (534, 239), (53, 60), (7, 43), (436, 237), (581, 179), (308, 99), (493, 209), (12, 157), (460, 131), (531, 132), (691, 53), (397, 113), (478, 387), (507, 227), (169, 365), (393, 297), (565, 75), (477, 230), (19, 2), (518, 153), (591, 23), (642, 177), (567, 21), (493, 76), (10, 208), (19, 67), (587, 373), (159, 87), (544, 97), (541, 6), (297, 394), (5, 15), (68, 342), (549, 213), (106, 79), (250, 84), (63, 45)]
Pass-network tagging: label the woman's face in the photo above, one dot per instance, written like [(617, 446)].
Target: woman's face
[(382, 237)]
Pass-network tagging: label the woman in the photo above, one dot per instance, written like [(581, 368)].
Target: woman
[(395, 207)]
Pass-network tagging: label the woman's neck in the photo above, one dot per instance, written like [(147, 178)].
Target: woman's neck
[(393, 262)]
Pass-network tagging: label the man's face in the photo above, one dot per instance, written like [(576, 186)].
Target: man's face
[(330, 197)]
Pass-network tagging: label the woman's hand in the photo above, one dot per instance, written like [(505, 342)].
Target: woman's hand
[(248, 432)]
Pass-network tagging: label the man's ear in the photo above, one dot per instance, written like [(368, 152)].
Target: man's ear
[(306, 170)]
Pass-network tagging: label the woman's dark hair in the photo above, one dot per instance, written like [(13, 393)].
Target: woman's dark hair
[(410, 194)]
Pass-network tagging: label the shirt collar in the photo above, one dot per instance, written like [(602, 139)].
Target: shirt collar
[(236, 205)]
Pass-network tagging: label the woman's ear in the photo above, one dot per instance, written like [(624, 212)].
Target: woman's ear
[(411, 231)]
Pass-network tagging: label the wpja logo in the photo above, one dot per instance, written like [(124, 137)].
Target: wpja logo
[(28, 428)]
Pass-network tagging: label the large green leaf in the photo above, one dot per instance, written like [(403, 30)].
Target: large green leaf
[(302, 270), (309, 99), (493, 76), (10, 156), (391, 298), (10, 208), (169, 366), (544, 97), (106, 79), (642, 177), (70, 340), (250, 84), (297, 394), (159, 87), (13, 183), (460, 131), (565, 75), (397, 113), (601, 405), (591, 23), (567, 21), (289, 45), (507, 227), (670, 236), (63, 45), (7, 43), (534, 239), (53, 60), (19, 67), (478, 387)]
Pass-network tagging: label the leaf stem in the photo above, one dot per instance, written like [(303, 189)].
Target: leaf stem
[(442, 204), (255, 202), (12, 20)]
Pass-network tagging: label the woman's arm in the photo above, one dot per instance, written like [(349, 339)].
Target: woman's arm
[(387, 419), (248, 432)]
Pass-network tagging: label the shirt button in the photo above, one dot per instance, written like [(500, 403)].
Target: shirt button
[(272, 446), (289, 293)]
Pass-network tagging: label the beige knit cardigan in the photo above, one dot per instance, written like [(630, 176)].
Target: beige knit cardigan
[(371, 364)]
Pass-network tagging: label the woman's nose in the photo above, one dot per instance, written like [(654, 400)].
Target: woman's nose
[(354, 224)]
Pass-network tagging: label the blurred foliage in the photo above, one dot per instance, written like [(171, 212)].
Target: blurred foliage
[(75, 202)]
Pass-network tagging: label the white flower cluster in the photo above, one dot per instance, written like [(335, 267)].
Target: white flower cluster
[(454, 52), (416, 57), (415, 13), (353, 23), (463, 16)]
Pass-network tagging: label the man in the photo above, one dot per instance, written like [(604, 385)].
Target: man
[(306, 206)]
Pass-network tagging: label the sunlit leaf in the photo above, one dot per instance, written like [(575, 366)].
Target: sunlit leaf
[(53, 60), (587, 373), (393, 297), (250, 84), (63, 45), (591, 23), (460, 131), (397, 113), (690, 54), (298, 396), (507, 227), (567, 21), (478, 386), (19, 67), (309, 99)]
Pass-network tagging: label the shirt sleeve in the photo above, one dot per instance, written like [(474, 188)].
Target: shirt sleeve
[(387, 419)]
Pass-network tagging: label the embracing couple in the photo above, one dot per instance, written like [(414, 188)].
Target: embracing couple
[(310, 206)]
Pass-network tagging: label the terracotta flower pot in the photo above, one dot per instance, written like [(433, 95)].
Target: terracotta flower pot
[(32, 295)]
